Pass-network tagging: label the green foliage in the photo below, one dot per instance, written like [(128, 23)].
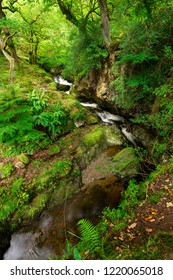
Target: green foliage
[(85, 53), (155, 198), (38, 101), (160, 118), (90, 239), (12, 199), (27, 124), (71, 252), (6, 169), (60, 168), (157, 247), (131, 198), (144, 58), (16, 125)]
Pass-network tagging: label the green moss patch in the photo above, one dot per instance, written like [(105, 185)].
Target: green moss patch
[(126, 164)]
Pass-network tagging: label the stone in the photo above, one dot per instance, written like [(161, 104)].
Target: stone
[(95, 141), (23, 158), (126, 164)]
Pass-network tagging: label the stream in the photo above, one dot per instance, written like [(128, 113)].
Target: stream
[(45, 237)]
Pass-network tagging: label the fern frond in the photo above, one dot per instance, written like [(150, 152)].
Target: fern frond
[(90, 239)]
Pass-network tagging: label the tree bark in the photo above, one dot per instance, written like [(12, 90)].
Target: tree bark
[(7, 34), (104, 13), (9, 57)]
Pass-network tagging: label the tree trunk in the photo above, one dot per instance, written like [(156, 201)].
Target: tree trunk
[(7, 34), (9, 57), (104, 13)]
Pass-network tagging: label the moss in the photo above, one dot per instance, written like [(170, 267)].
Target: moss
[(65, 190), (23, 158), (6, 170), (91, 119), (54, 150), (51, 173), (94, 137), (126, 164), (36, 206), (60, 168)]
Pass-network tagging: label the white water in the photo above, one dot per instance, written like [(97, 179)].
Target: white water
[(88, 104), (109, 118), (23, 247), (105, 116), (61, 81), (129, 136)]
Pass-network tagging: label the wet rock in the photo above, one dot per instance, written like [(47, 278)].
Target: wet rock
[(62, 87), (126, 164)]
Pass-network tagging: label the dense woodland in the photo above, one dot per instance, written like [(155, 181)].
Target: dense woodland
[(40, 39)]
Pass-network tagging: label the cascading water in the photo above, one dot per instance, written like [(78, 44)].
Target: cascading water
[(29, 243), (61, 81)]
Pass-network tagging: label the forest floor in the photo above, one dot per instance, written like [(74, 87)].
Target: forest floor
[(152, 223)]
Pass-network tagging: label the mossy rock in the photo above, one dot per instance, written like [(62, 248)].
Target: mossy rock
[(52, 172), (95, 141), (6, 170), (65, 190), (23, 158), (36, 207), (91, 119), (93, 137), (54, 150), (113, 136), (125, 163)]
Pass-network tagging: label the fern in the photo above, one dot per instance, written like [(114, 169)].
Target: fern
[(90, 239)]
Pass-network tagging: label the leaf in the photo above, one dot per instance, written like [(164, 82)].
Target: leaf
[(132, 226), (148, 218), (169, 204), (77, 255), (148, 230)]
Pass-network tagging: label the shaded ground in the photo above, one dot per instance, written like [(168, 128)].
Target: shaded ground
[(153, 216)]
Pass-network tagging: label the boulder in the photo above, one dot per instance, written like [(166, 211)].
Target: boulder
[(98, 138), (126, 164)]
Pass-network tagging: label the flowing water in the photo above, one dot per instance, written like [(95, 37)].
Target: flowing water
[(59, 80), (46, 237)]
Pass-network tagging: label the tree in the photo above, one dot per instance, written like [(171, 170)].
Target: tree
[(104, 13), (4, 30), (3, 45), (87, 9)]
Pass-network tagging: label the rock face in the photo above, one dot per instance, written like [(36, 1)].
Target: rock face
[(97, 84), (126, 164)]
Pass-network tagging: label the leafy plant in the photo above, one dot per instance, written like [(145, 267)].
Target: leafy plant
[(12, 199), (90, 239), (6, 170), (38, 101)]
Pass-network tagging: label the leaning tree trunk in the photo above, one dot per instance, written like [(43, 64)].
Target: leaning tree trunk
[(104, 13), (9, 57), (7, 35)]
